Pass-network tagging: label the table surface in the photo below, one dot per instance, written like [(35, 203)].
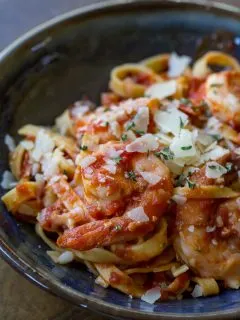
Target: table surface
[(19, 299)]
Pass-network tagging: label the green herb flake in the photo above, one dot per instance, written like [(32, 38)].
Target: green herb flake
[(117, 159), (186, 148), (130, 126), (186, 102), (228, 166), (131, 175), (212, 167), (117, 227), (106, 124), (180, 181), (216, 137), (124, 137), (181, 123), (165, 154), (216, 85), (190, 183), (83, 147), (139, 132)]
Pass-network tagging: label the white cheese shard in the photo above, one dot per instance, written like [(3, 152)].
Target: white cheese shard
[(8, 180), (183, 146), (50, 165), (141, 119), (177, 64), (162, 90), (150, 177), (138, 214), (214, 170), (191, 228), (143, 144), (115, 129), (197, 291), (10, 143), (87, 161), (152, 295), (27, 144), (43, 144), (179, 199), (79, 109), (214, 154), (171, 121), (66, 257)]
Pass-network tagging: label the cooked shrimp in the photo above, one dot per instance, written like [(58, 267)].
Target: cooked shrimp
[(131, 118), (208, 238), (223, 96), (134, 204)]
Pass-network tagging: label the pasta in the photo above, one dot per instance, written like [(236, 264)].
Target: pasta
[(144, 190)]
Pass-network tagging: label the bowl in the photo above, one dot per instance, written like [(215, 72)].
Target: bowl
[(57, 63)]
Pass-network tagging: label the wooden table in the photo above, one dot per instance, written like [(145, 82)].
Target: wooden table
[(19, 299)]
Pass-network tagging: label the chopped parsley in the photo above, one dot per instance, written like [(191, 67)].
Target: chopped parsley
[(130, 126), (131, 175), (124, 137), (117, 159), (181, 123), (83, 147), (186, 148), (106, 124), (190, 183), (139, 132), (186, 102), (212, 167), (216, 137), (228, 166), (117, 227), (216, 85), (165, 154), (180, 181)]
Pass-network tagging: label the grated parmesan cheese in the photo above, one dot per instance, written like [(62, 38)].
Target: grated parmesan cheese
[(27, 144), (191, 228), (138, 214), (143, 144), (86, 162), (152, 295), (43, 144), (214, 170), (10, 143), (171, 120), (141, 119), (162, 90), (183, 146), (8, 180), (150, 177), (177, 64), (197, 291), (179, 199)]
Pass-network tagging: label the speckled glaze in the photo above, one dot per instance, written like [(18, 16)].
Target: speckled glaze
[(56, 64)]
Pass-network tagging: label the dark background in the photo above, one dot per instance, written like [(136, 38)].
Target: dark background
[(19, 299)]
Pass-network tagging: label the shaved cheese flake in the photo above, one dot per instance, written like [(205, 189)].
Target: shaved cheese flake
[(214, 154), (177, 64), (197, 291), (27, 144), (10, 143), (150, 177), (8, 180), (66, 257), (112, 168), (214, 170), (162, 90), (141, 119), (179, 199), (182, 146), (50, 165), (43, 145), (204, 139), (152, 295), (191, 228), (79, 109), (115, 129), (87, 161), (138, 214), (171, 120), (210, 229), (143, 144)]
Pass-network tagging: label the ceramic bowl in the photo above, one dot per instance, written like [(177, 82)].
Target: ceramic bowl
[(68, 57)]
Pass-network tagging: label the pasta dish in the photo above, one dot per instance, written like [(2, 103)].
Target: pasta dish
[(144, 190)]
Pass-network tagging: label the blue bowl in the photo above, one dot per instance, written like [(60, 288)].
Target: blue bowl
[(54, 65)]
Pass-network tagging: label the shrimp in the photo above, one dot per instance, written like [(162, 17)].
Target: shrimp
[(131, 118), (127, 207), (207, 238), (223, 96)]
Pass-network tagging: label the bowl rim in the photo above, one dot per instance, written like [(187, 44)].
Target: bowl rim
[(41, 278)]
